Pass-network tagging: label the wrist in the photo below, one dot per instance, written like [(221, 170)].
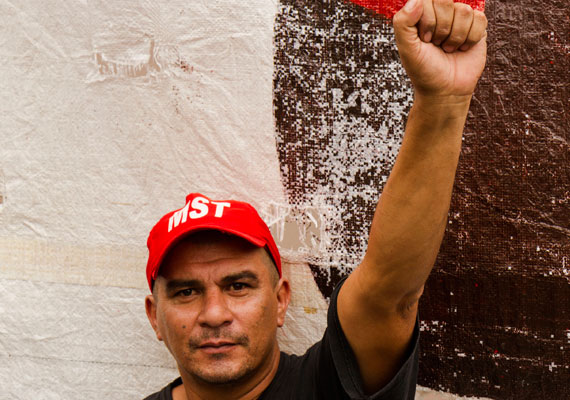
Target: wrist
[(437, 120), (442, 107)]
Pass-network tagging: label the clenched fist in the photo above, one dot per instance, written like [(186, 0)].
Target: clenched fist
[(442, 46)]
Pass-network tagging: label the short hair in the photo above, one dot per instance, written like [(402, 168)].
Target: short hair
[(273, 272)]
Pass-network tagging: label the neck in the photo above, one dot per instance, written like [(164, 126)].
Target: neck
[(249, 389)]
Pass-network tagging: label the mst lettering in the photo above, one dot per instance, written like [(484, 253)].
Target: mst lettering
[(198, 208)]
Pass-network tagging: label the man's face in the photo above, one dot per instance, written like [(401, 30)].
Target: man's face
[(217, 309)]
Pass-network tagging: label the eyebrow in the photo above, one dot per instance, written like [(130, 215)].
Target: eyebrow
[(176, 284), (247, 275)]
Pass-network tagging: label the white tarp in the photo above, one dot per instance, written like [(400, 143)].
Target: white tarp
[(111, 113)]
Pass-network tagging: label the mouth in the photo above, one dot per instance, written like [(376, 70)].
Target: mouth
[(215, 347)]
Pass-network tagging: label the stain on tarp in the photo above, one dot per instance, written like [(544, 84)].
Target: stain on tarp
[(495, 321), (128, 69)]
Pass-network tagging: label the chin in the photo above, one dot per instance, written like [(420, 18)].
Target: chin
[(222, 373)]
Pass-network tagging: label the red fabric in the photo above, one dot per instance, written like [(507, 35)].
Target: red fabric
[(391, 7), (201, 213)]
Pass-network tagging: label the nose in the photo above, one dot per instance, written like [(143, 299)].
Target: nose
[(215, 312)]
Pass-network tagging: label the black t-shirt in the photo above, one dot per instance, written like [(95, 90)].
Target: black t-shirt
[(329, 371)]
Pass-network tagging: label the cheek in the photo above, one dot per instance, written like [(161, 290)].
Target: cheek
[(174, 325), (260, 316)]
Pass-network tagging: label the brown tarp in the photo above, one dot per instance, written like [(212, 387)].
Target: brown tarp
[(495, 314)]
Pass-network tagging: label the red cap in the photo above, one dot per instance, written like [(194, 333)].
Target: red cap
[(230, 216)]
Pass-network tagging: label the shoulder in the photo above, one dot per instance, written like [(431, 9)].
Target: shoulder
[(329, 370), (335, 344), (166, 392)]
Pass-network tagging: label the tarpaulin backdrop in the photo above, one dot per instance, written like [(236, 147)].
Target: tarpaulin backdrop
[(112, 112)]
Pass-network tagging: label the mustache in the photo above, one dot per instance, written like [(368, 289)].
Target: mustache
[(217, 334)]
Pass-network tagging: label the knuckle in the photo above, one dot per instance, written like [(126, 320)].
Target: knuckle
[(463, 10), (427, 24), (443, 30), (397, 19), (455, 40), (480, 18), (470, 42), (443, 3)]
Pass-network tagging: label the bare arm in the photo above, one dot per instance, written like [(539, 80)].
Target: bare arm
[(377, 305)]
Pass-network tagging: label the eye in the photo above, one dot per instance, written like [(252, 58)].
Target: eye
[(186, 292), (238, 286)]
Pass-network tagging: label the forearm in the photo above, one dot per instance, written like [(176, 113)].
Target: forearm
[(377, 304), (411, 215)]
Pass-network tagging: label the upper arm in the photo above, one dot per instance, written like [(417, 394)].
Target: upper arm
[(377, 326)]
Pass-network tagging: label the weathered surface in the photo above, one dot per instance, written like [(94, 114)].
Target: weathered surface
[(505, 255), (494, 315)]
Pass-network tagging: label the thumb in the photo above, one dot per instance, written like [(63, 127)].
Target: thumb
[(405, 22)]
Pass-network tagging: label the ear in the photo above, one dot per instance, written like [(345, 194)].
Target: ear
[(150, 306), (283, 298)]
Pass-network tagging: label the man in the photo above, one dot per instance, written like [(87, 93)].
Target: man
[(218, 295)]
